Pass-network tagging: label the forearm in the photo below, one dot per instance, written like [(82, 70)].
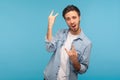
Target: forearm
[(50, 41), (49, 33), (79, 67), (76, 65)]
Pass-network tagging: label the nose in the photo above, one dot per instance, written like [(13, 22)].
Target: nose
[(71, 21)]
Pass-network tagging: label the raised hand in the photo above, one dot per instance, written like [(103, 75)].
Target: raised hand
[(51, 19)]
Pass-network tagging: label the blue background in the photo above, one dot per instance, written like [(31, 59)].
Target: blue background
[(23, 26)]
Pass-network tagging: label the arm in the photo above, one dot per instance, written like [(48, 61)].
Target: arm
[(85, 59), (74, 58), (51, 20), (82, 66), (50, 42)]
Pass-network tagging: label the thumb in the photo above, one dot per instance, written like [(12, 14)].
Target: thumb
[(66, 50)]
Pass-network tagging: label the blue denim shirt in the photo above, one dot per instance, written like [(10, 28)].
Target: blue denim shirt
[(83, 47)]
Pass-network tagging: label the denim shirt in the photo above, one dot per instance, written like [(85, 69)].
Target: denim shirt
[(83, 47)]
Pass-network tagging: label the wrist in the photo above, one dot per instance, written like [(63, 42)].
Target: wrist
[(75, 61), (76, 65), (50, 26), (49, 29)]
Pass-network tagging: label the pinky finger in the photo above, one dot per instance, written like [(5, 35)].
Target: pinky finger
[(56, 14)]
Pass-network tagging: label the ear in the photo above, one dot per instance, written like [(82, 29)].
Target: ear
[(80, 17)]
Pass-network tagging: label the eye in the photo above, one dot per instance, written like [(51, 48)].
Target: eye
[(74, 17), (67, 19)]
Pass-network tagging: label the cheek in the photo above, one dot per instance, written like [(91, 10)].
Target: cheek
[(78, 21), (68, 23)]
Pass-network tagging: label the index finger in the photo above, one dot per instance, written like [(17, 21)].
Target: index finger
[(66, 50), (51, 13)]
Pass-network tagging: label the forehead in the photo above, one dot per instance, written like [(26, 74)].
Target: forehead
[(71, 13)]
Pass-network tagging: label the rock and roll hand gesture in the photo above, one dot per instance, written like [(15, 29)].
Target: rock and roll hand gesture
[(51, 19), (72, 53), (73, 57)]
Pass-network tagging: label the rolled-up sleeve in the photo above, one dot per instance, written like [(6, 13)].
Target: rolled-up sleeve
[(50, 45), (85, 59)]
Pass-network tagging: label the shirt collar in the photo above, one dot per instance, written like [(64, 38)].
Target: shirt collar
[(80, 36)]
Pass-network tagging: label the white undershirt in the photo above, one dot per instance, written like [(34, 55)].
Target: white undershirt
[(62, 73)]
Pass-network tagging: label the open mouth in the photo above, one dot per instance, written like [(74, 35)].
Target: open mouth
[(73, 26)]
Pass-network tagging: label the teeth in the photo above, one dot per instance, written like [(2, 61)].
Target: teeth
[(73, 26)]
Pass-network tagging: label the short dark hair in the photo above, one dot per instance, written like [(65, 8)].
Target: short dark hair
[(70, 8)]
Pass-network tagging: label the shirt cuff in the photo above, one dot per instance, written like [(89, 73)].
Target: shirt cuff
[(82, 69)]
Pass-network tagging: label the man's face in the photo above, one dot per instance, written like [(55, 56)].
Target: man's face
[(73, 20)]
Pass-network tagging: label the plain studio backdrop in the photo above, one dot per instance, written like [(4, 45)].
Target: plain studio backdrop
[(23, 26)]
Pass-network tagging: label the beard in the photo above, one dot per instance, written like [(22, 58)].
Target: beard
[(74, 29)]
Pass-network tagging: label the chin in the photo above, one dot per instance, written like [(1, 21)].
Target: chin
[(75, 30)]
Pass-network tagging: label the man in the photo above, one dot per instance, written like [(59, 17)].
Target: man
[(70, 47)]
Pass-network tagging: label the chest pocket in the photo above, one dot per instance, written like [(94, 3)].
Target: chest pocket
[(61, 40), (60, 43)]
